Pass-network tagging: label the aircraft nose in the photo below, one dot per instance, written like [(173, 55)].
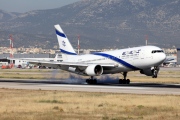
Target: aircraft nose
[(163, 56)]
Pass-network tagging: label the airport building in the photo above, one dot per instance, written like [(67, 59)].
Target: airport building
[(19, 55), (171, 54)]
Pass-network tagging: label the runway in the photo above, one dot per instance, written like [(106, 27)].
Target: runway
[(133, 88)]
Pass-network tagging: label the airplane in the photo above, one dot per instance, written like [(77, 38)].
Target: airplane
[(145, 59), (169, 60)]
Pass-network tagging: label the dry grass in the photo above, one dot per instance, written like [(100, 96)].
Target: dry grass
[(61, 105), (173, 80), (33, 74)]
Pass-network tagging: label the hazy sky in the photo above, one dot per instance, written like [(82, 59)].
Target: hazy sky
[(28, 5)]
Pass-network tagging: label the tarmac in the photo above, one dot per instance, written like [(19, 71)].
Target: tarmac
[(61, 85), (80, 85)]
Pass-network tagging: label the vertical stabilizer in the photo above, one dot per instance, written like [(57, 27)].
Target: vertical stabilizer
[(64, 44), (56, 58)]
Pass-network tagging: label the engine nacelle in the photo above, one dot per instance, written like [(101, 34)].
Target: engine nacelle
[(94, 70), (147, 72)]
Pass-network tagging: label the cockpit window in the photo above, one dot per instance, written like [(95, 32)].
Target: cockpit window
[(157, 51)]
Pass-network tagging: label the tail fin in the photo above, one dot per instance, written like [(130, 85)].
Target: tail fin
[(56, 57), (64, 44)]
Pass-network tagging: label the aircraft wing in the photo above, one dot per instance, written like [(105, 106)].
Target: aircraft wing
[(69, 64)]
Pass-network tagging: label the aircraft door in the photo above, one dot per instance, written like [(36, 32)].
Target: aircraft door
[(148, 54), (142, 54)]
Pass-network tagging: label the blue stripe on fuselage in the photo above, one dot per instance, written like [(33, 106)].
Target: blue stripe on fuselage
[(60, 34), (66, 52), (117, 60)]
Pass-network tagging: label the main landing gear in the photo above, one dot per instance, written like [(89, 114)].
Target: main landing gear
[(124, 81), (91, 80)]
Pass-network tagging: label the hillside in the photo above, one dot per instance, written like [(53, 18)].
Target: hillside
[(101, 24)]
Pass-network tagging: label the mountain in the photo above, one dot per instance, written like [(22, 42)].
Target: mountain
[(100, 23)]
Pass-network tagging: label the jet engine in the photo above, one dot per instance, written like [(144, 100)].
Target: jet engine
[(153, 71), (94, 70), (147, 72)]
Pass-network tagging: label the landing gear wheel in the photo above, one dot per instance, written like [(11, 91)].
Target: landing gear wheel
[(124, 81), (155, 72), (120, 81), (91, 81), (127, 81)]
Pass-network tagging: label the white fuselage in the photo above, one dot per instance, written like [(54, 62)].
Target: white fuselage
[(146, 59), (129, 59)]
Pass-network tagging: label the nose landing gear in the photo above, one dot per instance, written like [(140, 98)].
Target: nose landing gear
[(155, 72)]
